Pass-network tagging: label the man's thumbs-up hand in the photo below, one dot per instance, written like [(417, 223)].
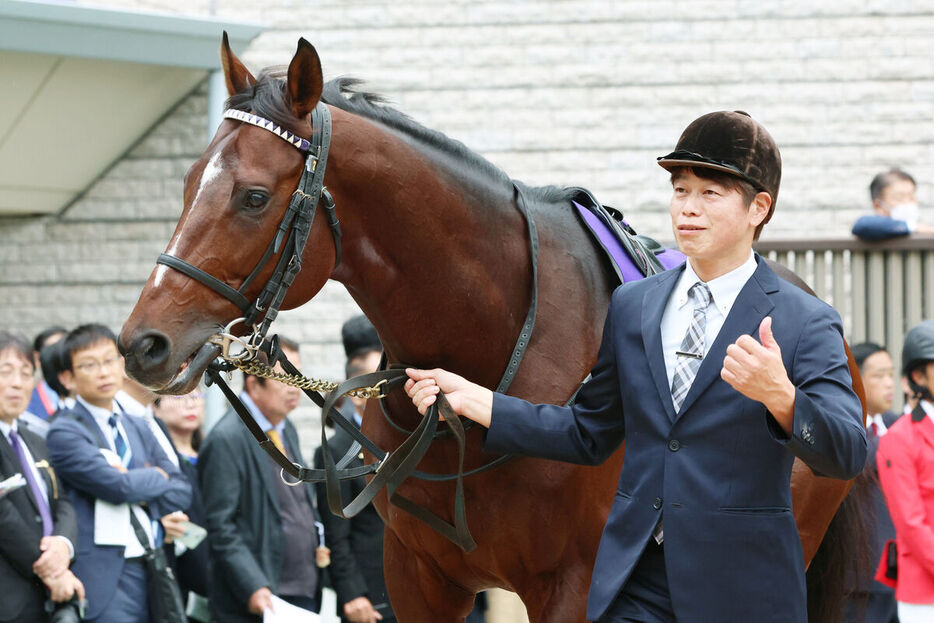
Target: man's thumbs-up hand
[(756, 371)]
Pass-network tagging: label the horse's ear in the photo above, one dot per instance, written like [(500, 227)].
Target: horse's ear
[(238, 77), (305, 79)]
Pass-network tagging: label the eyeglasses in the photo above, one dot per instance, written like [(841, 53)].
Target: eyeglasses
[(95, 366)]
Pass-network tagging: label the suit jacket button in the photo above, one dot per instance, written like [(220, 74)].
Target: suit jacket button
[(674, 445), (657, 504)]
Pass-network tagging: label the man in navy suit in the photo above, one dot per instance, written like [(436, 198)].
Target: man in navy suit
[(112, 466), (37, 523), (701, 528)]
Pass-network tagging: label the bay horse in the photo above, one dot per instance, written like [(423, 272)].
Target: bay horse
[(435, 253)]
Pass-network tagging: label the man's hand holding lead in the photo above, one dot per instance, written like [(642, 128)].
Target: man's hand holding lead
[(755, 369), (470, 400)]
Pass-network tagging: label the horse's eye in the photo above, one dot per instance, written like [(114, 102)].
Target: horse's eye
[(255, 199)]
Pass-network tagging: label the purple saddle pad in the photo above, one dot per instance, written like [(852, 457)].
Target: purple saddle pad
[(625, 264)]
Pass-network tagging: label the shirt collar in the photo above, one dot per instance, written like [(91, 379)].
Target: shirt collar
[(6, 428), (261, 420), (723, 290), (928, 408), (100, 415)]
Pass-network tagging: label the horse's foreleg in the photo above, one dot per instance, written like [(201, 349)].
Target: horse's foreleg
[(419, 593), (558, 600)]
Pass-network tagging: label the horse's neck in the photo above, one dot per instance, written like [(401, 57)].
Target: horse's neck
[(444, 276)]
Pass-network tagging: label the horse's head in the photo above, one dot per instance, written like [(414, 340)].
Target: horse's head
[(236, 196)]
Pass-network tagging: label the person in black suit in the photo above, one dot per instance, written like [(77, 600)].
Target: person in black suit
[(261, 532), (872, 601), (356, 544), (37, 523)]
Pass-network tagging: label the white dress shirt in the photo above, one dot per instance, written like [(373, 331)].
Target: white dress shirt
[(102, 417), (876, 419), (131, 405), (679, 310)]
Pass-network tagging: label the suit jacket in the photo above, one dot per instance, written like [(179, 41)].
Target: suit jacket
[(906, 471), (242, 512), (21, 529), (720, 468), (74, 443), (356, 544)]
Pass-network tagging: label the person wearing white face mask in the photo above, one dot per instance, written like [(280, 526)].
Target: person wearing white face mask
[(896, 208)]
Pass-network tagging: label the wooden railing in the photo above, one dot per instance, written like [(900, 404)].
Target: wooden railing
[(880, 289)]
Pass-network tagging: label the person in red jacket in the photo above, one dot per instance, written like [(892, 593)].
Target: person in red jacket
[(906, 472)]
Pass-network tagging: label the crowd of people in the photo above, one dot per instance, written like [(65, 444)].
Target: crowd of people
[(98, 473)]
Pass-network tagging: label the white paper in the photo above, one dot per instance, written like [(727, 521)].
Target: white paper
[(193, 536), (111, 523), (11, 484), (287, 613)]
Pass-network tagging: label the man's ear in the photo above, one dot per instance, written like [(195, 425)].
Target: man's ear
[(920, 377), (759, 208), (67, 379)]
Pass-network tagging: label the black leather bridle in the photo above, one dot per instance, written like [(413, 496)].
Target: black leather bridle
[(292, 233)]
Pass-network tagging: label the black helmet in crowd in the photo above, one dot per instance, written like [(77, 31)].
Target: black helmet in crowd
[(917, 351)]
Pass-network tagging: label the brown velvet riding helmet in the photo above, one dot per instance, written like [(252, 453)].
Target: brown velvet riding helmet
[(732, 142)]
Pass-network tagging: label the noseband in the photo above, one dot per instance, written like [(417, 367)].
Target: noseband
[(292, 233)]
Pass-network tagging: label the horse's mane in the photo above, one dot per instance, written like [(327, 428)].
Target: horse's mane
[(267, 99)]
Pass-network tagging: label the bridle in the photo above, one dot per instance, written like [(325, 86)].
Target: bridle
[(390, 468), (291, 235)]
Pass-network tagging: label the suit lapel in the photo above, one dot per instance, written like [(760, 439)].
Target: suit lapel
[(262, 462), (81, 411), (40, 457), (750, 307), (653, 306), (15, 467)]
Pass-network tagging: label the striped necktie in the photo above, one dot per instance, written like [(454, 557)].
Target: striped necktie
[(120, 444), (691, 353)]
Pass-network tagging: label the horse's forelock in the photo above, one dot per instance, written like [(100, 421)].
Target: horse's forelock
[(267, 98)]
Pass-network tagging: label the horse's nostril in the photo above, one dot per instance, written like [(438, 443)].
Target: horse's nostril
[(151, 349)]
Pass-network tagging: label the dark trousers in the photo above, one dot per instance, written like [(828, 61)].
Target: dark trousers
[(129, 603), (645, 597)]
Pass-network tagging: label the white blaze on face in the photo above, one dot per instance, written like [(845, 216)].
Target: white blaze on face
[(210, 172)]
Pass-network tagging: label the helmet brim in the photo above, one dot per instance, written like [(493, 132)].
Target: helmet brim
[(682, 158)]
